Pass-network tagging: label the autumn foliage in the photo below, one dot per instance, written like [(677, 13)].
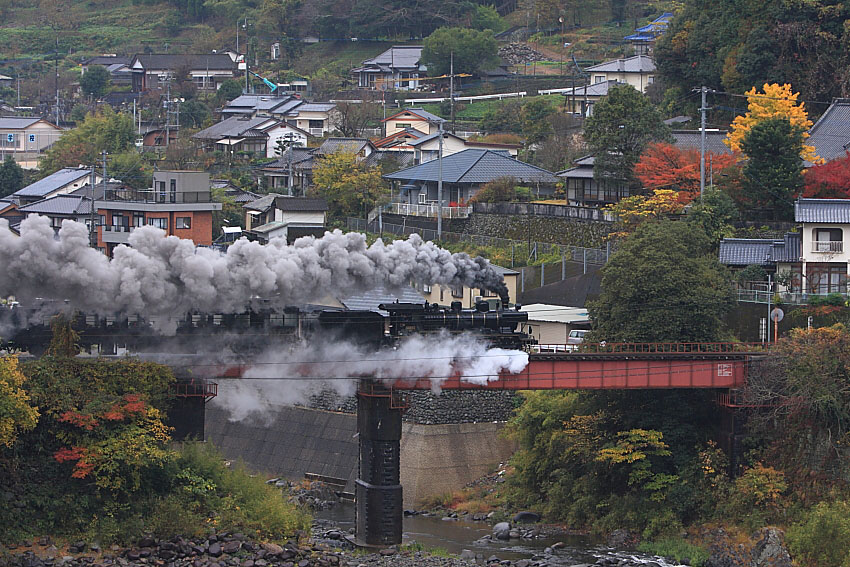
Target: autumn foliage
[(830, 180), (664, 166), (775, 101), (633, 211)]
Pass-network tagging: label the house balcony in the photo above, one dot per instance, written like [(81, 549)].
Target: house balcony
[(833, 246), (159, 197), (317, 132), (113, 234), (428, 210)]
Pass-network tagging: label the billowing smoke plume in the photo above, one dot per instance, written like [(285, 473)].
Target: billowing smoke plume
[(291, 377), (168, 276)]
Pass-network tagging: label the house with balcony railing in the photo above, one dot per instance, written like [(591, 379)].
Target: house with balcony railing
[(462, 174), (812, 261), (179, 202)]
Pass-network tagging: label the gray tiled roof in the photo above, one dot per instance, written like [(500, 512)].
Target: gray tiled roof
[(636, 64), (234, 126), (398, 57), (265, 103), (690, 140), (761, 251), (299, 154), (475, 166), (263, 203), (52, 182), (300, 204), (171, 61), (746, 251), (596, 89), (403, 159), (16, 123), (312, 107), (831, 133), (333, 145), (60, 205), (822, 210), (369, 300), (107, 60)]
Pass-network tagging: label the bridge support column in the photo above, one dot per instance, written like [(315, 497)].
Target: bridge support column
[(733, 420), (379, 509)]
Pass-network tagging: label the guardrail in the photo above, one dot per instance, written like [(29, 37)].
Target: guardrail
[(652, 348), (428, 210)]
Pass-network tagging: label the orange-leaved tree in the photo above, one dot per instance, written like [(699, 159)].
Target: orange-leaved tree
[(664, 166), (775, 101), (631, 212)]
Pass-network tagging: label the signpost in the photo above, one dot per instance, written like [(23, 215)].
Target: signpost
[(776, 315)]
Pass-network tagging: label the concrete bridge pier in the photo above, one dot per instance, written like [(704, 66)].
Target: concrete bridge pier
[(379, 508)]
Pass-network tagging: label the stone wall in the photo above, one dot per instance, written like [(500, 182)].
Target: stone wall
[(451, 406), (569, 231)]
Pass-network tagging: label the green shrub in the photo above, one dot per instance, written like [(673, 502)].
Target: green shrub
[(676, 548), (822, 537)]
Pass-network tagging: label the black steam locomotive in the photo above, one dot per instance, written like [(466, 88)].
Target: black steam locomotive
[(256, 328)]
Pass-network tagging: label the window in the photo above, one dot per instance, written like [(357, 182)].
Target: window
[(183, 222), (161, 188), (426, 288), (159, 222), (402, 125), (828, 240), (486, 293), (173, 190), (599, 78), (317, 123), (826, 278), (650, 79), (457, 291), (138, 219)]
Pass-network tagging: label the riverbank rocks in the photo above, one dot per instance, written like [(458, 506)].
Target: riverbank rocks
[(518, 53), (766, 548), (620, 539), (526, 517), (502, 530)]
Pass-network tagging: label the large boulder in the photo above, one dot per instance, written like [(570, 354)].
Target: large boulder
[(502, 530), (526, 517), (769, 550)]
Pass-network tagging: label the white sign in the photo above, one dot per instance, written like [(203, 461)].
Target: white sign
[(777, 315), (724, 369)]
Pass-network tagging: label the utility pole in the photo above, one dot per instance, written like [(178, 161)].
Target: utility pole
[(93, 212), (56, 78), (452, 88), (289, 169), (440, 185), (702, 109)]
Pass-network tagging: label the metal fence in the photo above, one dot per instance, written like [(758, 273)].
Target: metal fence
[(522, 251)]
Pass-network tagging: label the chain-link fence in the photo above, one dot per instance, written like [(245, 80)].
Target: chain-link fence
[(521, 251)]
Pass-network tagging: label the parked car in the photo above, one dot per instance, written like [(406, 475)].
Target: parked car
[(575, 338)]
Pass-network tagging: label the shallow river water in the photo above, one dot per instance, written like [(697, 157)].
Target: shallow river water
[(455, 536)]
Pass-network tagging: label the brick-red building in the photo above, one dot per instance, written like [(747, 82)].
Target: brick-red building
[(179, 203)]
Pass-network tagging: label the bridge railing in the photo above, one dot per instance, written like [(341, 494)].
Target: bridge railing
[(650, 348)]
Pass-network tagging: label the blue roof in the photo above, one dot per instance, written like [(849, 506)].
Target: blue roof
[(53, 182), (475, 166), (831, 133)]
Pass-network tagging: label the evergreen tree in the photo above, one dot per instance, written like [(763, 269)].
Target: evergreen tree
[(11, 177), (773, 171)]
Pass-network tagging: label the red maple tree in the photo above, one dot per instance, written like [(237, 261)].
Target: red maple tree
[(664, 166), (830, 180)]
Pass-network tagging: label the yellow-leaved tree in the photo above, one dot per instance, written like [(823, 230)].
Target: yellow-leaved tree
[(16, 414), (776, 101), (630, 212), (350, 187)]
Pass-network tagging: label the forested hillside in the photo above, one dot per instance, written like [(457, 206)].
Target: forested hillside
[(733, 45)]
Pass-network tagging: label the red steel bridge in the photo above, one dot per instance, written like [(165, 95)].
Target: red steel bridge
[(621, 366)]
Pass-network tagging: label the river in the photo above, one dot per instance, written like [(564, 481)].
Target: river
[(455, 536)]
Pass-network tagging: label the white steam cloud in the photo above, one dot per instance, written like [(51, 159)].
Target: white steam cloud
[(291, 377), (158, 275)]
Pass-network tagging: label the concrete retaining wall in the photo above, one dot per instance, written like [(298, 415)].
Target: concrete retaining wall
[(435, 459)]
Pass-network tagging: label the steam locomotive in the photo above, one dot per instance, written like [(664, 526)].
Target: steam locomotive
[(256, 328)]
